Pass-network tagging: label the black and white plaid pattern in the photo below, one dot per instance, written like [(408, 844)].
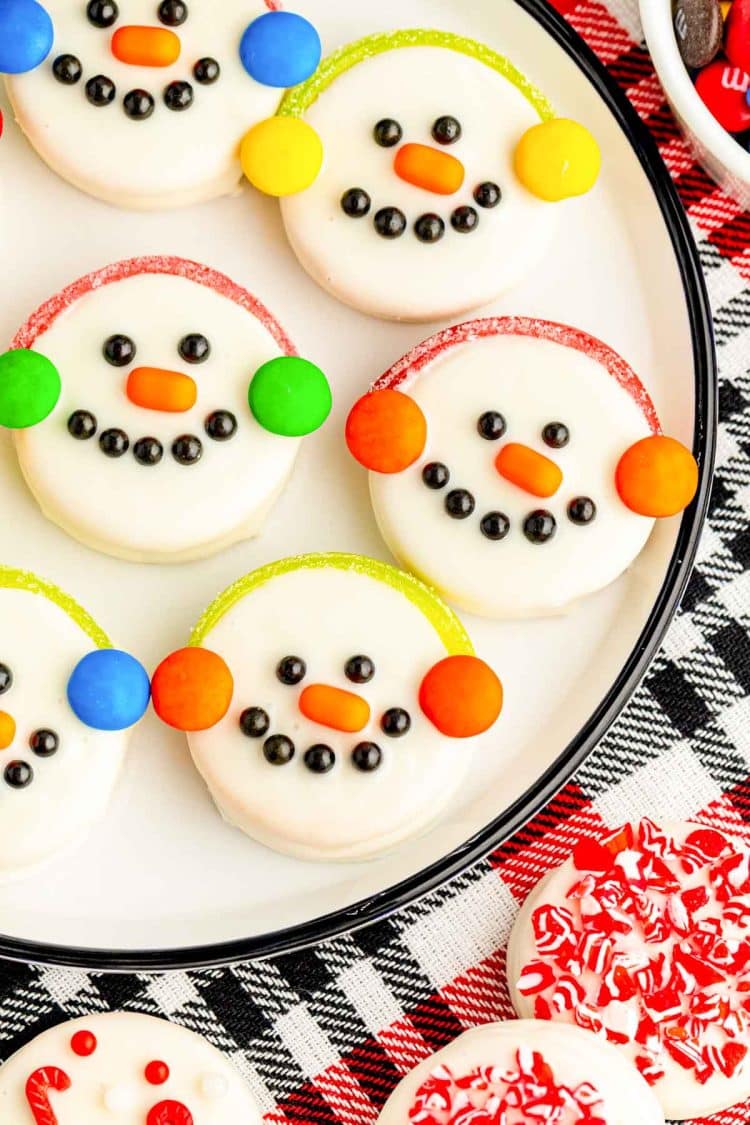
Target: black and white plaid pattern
[(323, 1036)]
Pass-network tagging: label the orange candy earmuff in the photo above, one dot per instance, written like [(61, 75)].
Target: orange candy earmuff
[(461, 696), (192, 689), (386, 431), (657, 477)]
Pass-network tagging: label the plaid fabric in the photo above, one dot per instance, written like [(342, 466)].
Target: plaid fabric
[(323, 1036)]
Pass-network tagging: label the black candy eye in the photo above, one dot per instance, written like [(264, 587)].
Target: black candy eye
[(221, 425), (487, 195), (387, 132), (540, 526), (278, 750), (491, 425), (18, 775), (291, 670), (460, 504), (359, 669), (82, 425), (436, 475), (395, 722), (356, 203), (581, 510), (44, 743), (119, 350), (100, 90), (178, 96), (67, 69), (446, 130), (254, 722), (187, 449), (114, 443), (102, 13), (495, 526), (148, 451), (194, 348), (555, 435), (320, 758), (172, 12), (206, 71), (367, 756), (6, 679)]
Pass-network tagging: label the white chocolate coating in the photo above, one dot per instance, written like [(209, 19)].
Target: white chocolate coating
[(406, 279), (575, 1057), (325, 616), (70, 790), (171, 159), (110, 1086), (680, 1095), (167, 512), (531, 382)]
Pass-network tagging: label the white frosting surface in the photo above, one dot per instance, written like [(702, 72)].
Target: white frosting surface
[(531, 382), (70, 790), (575, 1056), (325, 616), (680, 1095), (167, 512), (109, 1085), (406, 279), (170, 159)]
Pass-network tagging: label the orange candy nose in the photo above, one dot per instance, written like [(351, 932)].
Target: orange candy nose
[(528, 469), (386, 431), (146, 46), (657, 477), (7, 730), (334, 708), (461, 696), (156, 389), (430, 169), (192, 689)]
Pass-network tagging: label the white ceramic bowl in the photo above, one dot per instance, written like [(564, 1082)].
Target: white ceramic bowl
[(719, 153)]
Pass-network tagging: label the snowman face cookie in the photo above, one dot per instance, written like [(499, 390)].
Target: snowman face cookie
[(516, 465), (124, 1067), (521, 1073), (144, 103), (66, 701), (324, 697), (162, 386), (424, 205)]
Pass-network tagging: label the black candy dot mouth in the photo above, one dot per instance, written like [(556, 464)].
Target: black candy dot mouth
[(43, 743)]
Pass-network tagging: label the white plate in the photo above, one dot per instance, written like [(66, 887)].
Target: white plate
[(163, 874)]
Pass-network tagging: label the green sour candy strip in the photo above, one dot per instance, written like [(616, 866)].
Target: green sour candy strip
[(29, 388), (299, 99), (290, 396), (12, 579)]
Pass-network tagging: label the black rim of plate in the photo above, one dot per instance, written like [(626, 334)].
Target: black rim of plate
[(378, 906)]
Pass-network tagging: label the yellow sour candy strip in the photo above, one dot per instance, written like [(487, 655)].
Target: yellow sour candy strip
[(11, 579), (443, 620), (299, 99)]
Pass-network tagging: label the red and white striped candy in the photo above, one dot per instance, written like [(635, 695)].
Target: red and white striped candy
[(537, 976), (554, 926)]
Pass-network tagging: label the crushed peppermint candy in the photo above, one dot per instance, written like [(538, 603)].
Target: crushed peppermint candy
[(652, 950), (528, 1094)]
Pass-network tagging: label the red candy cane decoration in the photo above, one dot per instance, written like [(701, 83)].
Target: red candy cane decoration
[(38, 1086), (169, 1113)]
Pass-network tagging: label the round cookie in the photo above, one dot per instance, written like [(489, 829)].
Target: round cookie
[(170, 388), (144, 104), (66, 701), (523, 1072), (323, 696), (644, 939), (516, 465), (442, 165), (124, 1067)]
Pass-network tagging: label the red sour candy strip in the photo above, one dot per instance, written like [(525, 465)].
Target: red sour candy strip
[(169, 1113), (38, 1086)]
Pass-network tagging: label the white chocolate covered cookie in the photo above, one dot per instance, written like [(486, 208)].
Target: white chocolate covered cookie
[(524, 1072), (325, 699), (420, 173), (66, 701), (144, 103), (516, 465), (644, 940), (157, 409), (122, 1067)]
